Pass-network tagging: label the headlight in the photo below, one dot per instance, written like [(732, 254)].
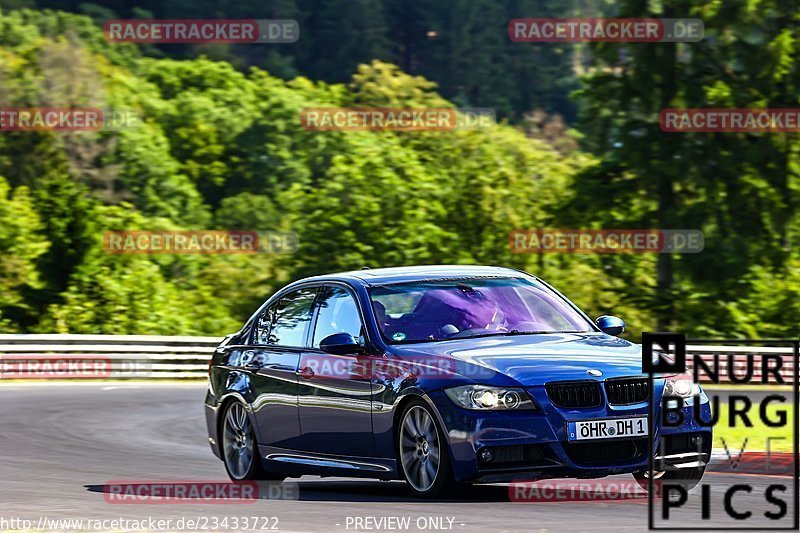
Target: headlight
[(489, 398), (682, 385)]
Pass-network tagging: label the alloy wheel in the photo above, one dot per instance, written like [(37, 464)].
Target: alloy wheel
[(238, 441), (419, 448)]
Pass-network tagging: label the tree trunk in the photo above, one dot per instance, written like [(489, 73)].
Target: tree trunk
[(665, 304)]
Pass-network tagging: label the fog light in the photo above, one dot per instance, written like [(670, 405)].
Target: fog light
[(486, 455)]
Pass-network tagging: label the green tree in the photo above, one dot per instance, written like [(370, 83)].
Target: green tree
[(21, 245), (740, 189)]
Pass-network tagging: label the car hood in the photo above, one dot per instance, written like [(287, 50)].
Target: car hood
[(534, 359)]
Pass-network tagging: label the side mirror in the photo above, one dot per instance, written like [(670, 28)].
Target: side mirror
[(612, 325), (339, 344)]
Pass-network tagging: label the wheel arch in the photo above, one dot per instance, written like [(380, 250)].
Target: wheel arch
[(400, 408), (224, 403)]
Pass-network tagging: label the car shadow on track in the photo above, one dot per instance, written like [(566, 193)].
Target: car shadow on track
[(392, 491), (303, 490)]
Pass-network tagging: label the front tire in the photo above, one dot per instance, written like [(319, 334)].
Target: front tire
[(240, 447), (423, 454), (688, 478)]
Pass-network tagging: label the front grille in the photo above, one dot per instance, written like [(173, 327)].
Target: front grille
[(627, 391), (574, 393), (606, 453)]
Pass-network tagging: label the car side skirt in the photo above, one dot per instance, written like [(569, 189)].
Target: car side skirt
[(294, 462)]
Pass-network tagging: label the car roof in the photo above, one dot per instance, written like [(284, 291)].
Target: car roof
[(382, 276)]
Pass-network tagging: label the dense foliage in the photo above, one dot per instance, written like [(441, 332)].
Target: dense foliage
[(222, 147), (459, 44)]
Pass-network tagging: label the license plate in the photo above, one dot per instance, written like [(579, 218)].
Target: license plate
[(609, 428)]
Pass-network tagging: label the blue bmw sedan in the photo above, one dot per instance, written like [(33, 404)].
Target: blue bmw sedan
[(440, 375)]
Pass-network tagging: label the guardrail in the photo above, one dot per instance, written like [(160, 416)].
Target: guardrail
[(159, 357), (115, 356)]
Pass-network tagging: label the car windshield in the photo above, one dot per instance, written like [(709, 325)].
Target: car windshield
[(474, 307)]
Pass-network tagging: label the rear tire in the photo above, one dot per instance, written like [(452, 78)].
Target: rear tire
[(423, 455), (240, 447)]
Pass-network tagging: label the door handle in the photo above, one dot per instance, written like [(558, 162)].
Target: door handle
[(253, 365), (305, 372), (252, 361)]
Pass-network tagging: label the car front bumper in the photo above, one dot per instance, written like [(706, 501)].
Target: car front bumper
[(527, 445)]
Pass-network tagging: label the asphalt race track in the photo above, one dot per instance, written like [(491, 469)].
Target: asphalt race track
[(61, 443)]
